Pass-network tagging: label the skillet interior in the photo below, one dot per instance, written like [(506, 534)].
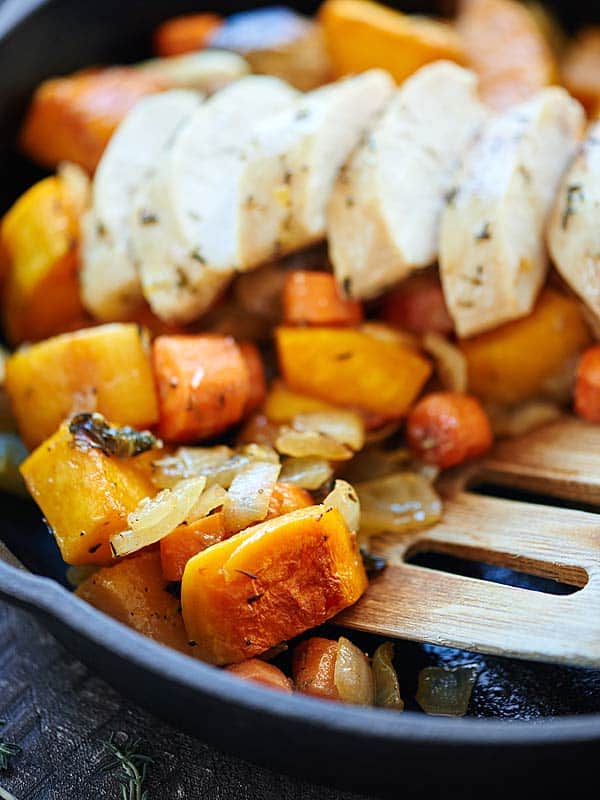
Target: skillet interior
[(60, 36)]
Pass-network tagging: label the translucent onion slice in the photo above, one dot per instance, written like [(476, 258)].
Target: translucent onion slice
[(346, 427), (307, 473), (387, 686), (523, 418), (374, 462), (450, 362), (444, 691), (156, 517), (311, 443), (344, 498), (379, 330), (188, 462), (249, 495), (352, 675), (77, 184), (214, 497), (400, 503)]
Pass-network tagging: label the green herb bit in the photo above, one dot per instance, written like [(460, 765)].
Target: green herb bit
[(484, 234), (130, 767), (387, 686), (7, 751), (92, 430), (444, 691), (574, 191)]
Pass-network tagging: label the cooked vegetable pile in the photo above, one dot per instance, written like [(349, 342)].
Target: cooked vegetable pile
[(281, 275)]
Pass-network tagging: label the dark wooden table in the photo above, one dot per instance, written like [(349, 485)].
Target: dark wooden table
[(60, 713)]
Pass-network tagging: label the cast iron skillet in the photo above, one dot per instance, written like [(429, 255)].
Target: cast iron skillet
[(524, 719)]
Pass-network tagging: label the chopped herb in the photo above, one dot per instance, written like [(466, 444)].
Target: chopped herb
[(94, 548), (7, 751), (484, 233), (450, 196), (302, 113), (101, 230), (247, 574), (92, 430), (287, 177), (525, 173), (197, 256), (465, 303), (148, 217), (130, 767), (343, 356), (182, 278), (373, 564), (253, 598), (347, 285), (574, 190), (350, 202)]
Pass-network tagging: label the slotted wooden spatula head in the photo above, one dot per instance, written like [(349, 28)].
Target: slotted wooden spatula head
[(561, 460)]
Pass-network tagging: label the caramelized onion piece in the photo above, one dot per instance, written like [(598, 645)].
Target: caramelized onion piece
[(249, 495), (523, 418), (353, 677), (156, 517), (374, 462), (399, 503), (387, 686), (450, 362), (346, 427), (307, 472), (214, 497), (311, 443), (344, 498), (444, 691)]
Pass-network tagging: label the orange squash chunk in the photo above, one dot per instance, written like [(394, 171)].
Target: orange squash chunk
[(361, 35), (85, 495), (313, 667), (133, 592), (513, 362), (270, 583), (507, 49), (105, 369), (186, 541), (73, 118), (314, 298), (39, 237), (352, 368)]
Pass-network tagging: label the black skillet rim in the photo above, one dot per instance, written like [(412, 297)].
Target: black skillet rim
[(48, 598)]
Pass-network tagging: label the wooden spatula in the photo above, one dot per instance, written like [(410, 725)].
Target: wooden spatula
[(561, 460)]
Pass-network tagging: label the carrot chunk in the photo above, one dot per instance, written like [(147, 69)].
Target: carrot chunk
[(262, 672), (418, 305), (185, 34), (186, 541), (286, 497), (587, 385), (256, 371), (72, 118), (313, 667), (270, 583), (447, 428), (314, 298), (203, 385)]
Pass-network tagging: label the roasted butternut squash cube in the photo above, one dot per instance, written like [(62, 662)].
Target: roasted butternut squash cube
[(39, 237), (516, 361), (134, 592), (282, 404), (270, 583), (352, 368), (85, 495), (105, 369)]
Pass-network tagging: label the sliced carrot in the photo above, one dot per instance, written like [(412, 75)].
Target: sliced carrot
[(447, 428), (313, 667), (587, 385), (418, 305), (261, 672), (506, 47), (203, 385), (287, 497), (186, 541), (72, 118), (256, 370), (185, 34), (314, 298)]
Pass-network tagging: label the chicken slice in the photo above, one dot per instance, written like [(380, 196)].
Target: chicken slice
[(293, 162), (110, 284), (384, 212), (493, 257), (574, 229), (184, 217)]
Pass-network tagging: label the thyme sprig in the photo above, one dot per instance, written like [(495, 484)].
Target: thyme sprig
[(7, 750), (129, 766)]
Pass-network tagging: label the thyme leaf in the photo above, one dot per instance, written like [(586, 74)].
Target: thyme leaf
[(92, 430), (129, 766), (574, 191)]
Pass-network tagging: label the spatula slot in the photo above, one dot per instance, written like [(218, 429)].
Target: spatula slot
[(494, 573), (511, 492)]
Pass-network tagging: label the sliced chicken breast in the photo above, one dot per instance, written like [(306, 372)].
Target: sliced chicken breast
[(293, 161), (384, 212), (111, 288), (574, 229), (493, 258), (185, 216)]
